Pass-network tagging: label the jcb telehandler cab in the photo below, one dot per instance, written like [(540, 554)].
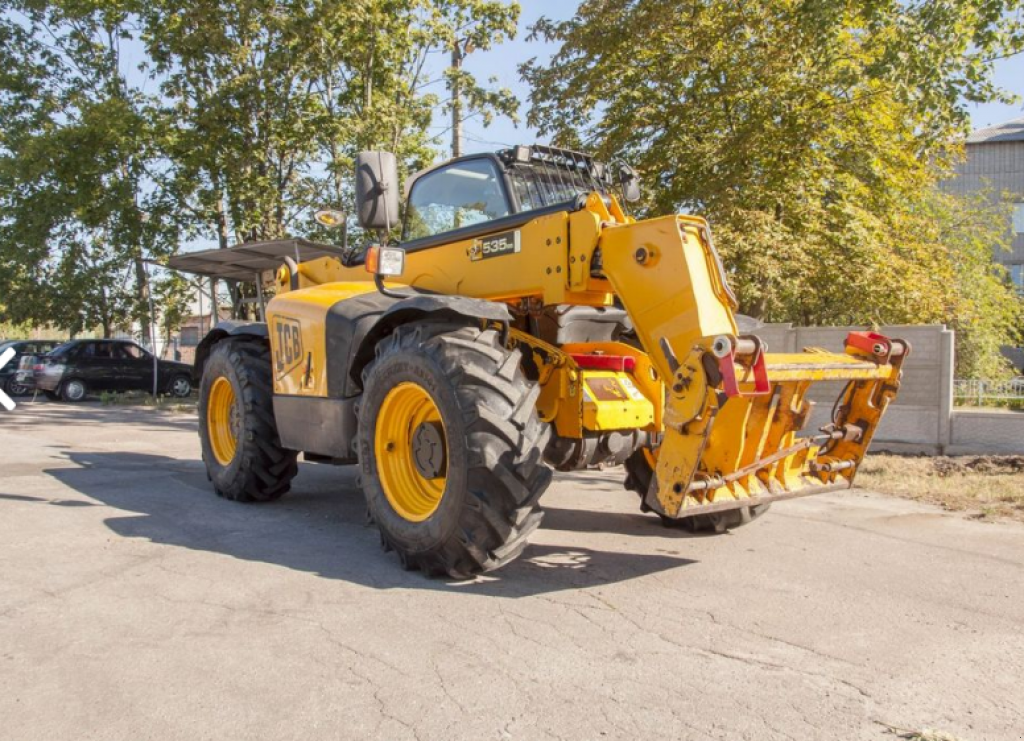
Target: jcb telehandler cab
[(524, 323)]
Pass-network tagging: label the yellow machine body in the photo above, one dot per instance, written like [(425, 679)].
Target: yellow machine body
[(296, 321), (720, 416)]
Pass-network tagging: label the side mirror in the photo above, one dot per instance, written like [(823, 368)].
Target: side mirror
[(377, 197), (630, 182)]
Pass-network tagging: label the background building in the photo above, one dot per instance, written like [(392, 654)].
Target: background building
[(995, 162)]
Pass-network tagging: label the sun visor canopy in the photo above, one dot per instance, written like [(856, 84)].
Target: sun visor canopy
[(246, 261)]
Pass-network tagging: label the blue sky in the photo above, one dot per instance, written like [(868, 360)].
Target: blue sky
[(503, 61)]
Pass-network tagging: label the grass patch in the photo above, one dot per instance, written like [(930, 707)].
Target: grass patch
[(141, 398), (986, 485)]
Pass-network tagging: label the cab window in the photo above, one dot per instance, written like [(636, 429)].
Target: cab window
[(461, 194)]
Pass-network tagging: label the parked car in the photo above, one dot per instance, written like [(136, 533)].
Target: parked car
[(80, 367), (11, 382)]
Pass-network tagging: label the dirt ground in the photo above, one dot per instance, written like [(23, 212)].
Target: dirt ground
[(984, 487), (135, 604)]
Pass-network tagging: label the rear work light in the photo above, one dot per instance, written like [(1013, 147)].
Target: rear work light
[(618, 363)]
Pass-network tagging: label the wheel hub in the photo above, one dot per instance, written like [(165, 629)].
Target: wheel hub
[(409, 445), (224, 421), (428, 450)]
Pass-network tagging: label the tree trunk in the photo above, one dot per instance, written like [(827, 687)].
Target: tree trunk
[(141, 295)]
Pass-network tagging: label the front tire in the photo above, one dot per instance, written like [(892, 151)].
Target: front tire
[(241, 448), (73, 390), (181, 387), (450, 448)]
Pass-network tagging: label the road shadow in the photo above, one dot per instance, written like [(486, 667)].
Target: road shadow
[(31, 413), (320, 527), (594, 479), (53, 502), (637, 525)]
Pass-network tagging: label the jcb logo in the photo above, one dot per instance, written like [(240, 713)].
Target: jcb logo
[(289, 345)]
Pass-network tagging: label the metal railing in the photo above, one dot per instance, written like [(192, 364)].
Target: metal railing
[(980, 392)]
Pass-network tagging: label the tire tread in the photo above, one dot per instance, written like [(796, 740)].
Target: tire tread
[(506, 441), (268, 469)]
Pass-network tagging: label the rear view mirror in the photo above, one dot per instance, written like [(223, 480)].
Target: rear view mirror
[(377, 198), (630, 182)]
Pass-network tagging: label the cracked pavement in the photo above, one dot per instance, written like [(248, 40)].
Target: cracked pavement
[(135, 604)]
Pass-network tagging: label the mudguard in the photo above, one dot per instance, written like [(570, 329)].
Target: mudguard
[(227, 328), (355, 325)]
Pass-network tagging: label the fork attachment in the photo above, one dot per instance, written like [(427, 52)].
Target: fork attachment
[(735, 415)]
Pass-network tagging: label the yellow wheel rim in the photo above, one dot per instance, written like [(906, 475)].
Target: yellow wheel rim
[(410, 445), (222, 421)]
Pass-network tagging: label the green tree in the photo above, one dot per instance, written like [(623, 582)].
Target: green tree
[(266, 103), (78, 212), (813, 136), (269, 101)]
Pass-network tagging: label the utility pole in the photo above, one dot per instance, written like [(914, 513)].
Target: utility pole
[(457, 57), (152, 335)]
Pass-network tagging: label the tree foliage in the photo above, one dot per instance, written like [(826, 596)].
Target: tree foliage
[(812, 134), (270, 101), (131, 128), (78, 213)]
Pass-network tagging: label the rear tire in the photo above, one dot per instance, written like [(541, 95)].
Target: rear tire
[(638, 479), (241, 448), (473, 509)]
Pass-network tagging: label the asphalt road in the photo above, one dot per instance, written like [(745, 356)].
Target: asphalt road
[(134, 604)]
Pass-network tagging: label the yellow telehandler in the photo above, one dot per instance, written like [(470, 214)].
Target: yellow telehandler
[(523, 323)]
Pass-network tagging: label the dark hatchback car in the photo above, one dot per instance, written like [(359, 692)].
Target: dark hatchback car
[(80, 367), (10, 382)]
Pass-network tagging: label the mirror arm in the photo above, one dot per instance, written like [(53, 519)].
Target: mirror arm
[(379, 282)]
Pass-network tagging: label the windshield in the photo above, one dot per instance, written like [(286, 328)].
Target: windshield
[(462, 194)]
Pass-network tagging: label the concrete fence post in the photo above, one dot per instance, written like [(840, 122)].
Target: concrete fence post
[(946, 371)]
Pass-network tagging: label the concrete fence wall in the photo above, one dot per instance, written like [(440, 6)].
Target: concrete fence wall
[(922, 418)]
